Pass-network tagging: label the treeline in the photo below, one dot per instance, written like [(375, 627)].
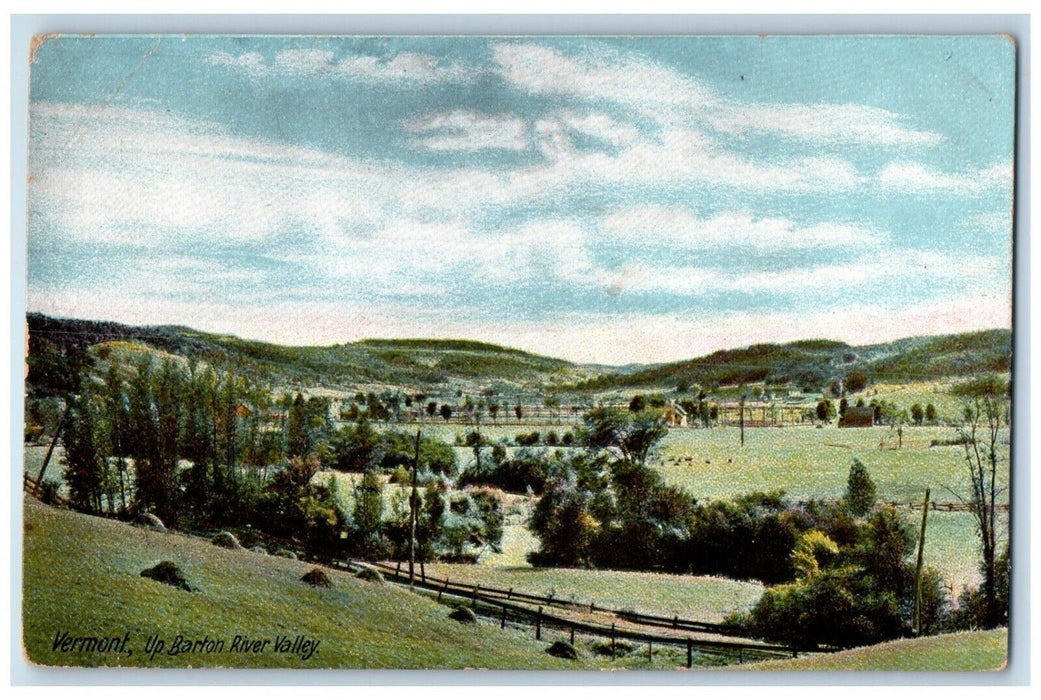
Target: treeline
[(203, 448)]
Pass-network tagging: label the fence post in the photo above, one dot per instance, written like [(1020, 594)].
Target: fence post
[(650, 650), (740, 655), (475, 592), (690, 653), (612, 642), (592, 606), (397, 571), (509, 593), (572, 635), (538, 624), (443, 589), (422, 571), (675, 621), (502, 620)]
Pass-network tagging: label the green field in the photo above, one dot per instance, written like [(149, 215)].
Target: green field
[(963, 651), (811, 462), (704, 598), (814, 463), (81, 575)]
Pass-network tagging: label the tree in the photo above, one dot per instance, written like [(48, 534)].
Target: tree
[(856, 381), (637, 403), (825, 410), (917, 414), (446, 412), (930, 413), (296, 437), (860, 489), (843, 405), (518, 411), (83, 460), (983, 415), (357, 449), (432, 408), (367, 517)]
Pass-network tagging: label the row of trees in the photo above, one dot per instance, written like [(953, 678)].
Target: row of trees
[(202, 448)]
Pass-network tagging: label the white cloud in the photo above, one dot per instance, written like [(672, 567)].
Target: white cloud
[(677, 227), (673, 98), (463, 130), (915, 177), (910, 271), (837, 123), (404, 67)]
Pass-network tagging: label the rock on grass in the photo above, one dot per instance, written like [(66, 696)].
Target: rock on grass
[(169, 573), (317, 578), (464, 615), (368, 573), (149, 521), (562, 650), (227, 540)]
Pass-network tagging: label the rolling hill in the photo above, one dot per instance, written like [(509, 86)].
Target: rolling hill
[(808, 364)]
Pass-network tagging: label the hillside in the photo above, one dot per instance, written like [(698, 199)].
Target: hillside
[(813, 363), (401, 362), (55, 344), (963, 651), (81, 576)]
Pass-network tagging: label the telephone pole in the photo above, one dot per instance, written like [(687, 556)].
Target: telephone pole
[(413, 516), (918, 569)]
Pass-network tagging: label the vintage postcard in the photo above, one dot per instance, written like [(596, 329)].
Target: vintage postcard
[(385, 352)]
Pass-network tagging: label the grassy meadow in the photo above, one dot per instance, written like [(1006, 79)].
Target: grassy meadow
[(962, 651), (81, 575), (704, 598)]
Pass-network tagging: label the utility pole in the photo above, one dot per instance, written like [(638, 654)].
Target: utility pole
[(918, 569), (413, 516), (742, 420)]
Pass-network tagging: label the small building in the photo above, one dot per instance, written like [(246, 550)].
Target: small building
[(858, 417), (675, 416)]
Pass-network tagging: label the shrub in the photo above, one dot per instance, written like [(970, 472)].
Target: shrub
[(860, 489), (528, 439)]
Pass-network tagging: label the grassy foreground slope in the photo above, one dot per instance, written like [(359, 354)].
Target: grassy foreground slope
[(963, 651), (81, 576)]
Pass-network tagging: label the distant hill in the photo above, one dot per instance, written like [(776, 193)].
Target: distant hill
[(809, 364), (813, 363), (411, 362)]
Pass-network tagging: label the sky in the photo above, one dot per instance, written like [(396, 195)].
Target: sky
[(600, 199)]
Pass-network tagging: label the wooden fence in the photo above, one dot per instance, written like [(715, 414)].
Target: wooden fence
[(511, 607)]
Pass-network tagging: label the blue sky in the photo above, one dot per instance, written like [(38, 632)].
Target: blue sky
[(600, 199)]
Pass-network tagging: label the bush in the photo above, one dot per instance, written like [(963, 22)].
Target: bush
[(527, 469), (840, 607), (860, 489), (528, 439)]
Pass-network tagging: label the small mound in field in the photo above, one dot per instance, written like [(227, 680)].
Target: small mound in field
[(288, 553), (604, 648), (562, 650), (464, 615), (149, 521), (259, 549), (227, 540), (317, 578), (367, 573), (169, 573)]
